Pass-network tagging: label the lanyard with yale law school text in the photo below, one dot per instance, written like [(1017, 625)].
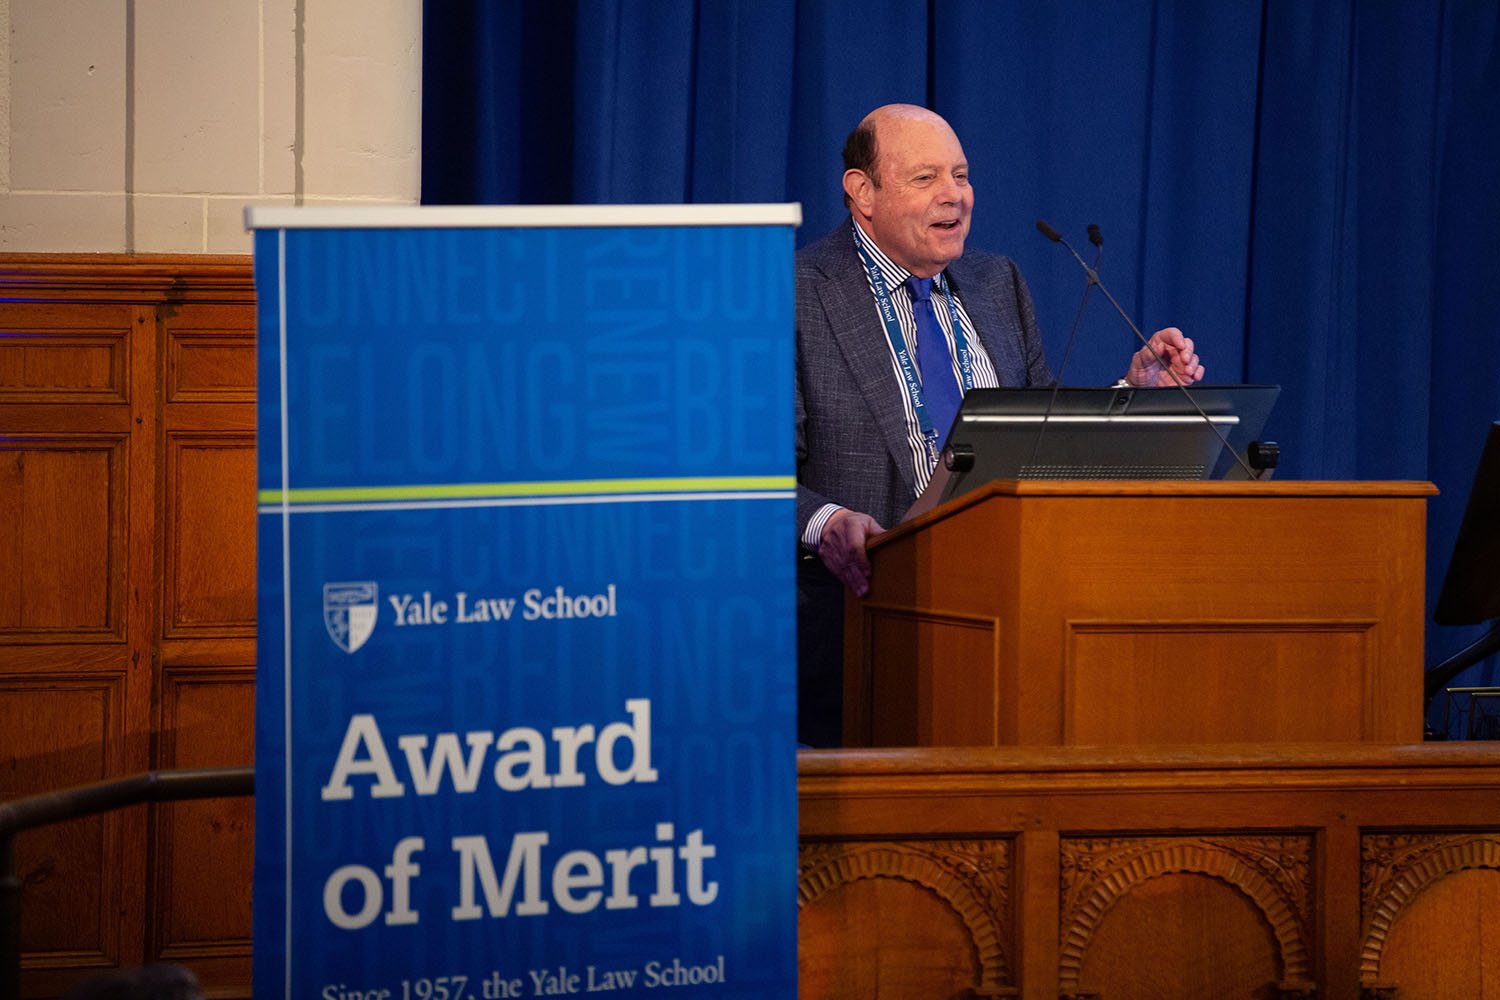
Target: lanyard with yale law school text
[(903, 354)]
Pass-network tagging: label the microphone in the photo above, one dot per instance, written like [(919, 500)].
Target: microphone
[(1056, 237), (1098, 240)]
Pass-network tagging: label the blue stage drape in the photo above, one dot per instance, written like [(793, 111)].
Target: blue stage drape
[(1310, 190)]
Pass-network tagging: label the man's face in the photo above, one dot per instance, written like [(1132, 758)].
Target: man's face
[(920, 213)]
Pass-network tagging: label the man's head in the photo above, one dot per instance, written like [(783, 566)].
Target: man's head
[(907, 183)]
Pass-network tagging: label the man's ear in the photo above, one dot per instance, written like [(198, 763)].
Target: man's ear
[(861, 190)]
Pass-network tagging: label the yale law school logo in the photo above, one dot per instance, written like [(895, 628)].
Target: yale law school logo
[(349, 611)]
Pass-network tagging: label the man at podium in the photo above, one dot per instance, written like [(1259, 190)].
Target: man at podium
[(885, 299)]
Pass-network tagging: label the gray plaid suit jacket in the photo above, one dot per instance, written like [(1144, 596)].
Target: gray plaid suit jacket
[(851, 433)]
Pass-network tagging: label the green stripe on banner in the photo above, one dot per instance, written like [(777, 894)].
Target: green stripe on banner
[(576, 487)]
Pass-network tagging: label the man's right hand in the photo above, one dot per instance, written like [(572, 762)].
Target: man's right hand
[(842, 548)]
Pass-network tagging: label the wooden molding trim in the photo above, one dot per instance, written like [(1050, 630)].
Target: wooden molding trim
[(127, 277), (1253, 764)]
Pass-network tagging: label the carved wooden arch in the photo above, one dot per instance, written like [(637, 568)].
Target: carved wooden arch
[(979, 897), (1108, 885), (1424, 861)]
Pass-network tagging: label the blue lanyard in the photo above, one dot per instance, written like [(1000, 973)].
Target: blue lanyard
[(899, 347)]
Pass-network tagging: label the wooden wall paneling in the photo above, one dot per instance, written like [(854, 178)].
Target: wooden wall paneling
[(59, 731), (77, 478), (203, 851), (210, 353), (65, 538), (65, 353), (65, 408), (142, 635), (209, 538), (208, 516), (102, 355)]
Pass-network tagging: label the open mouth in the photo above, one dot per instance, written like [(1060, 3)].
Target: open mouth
[(946, 226)]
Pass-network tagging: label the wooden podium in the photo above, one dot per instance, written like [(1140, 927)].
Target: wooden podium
[(1169, 746), (1133, 613)]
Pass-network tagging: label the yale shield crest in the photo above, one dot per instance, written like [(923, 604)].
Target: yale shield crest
[(349, 613)]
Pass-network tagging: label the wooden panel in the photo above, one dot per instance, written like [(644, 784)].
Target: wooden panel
[(64, 353), (1190, 682), (209, 576), (850, 957), (211, 354), (1190, 917), (906, 919), (908, 707), (204, 858), (1429, 902), (207, 368), (57, 733), (1183, 936), (66, 539), (1447, 943)]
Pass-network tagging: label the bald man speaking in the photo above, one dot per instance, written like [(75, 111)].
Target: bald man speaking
[(894, 322)]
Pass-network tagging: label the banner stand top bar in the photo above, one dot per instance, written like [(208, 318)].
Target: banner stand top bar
[(517, 216)]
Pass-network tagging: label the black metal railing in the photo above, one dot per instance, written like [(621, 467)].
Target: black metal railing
[(88, 800)]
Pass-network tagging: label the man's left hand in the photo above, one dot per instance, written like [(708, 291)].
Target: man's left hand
[(1177, 359)]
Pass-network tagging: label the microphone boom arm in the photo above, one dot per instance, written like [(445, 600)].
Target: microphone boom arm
[(1056, 237)]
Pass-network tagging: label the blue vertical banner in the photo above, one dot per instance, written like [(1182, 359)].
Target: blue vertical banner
[(526, 667)]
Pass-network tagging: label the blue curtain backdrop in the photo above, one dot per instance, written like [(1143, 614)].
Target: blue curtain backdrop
[(1310, 190)]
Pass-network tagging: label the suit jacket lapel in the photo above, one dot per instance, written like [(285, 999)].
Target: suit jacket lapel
[(995, 327), (845, 295)]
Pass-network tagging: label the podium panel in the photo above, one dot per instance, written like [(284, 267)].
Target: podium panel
[(1119, 613), (1336, 871)]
